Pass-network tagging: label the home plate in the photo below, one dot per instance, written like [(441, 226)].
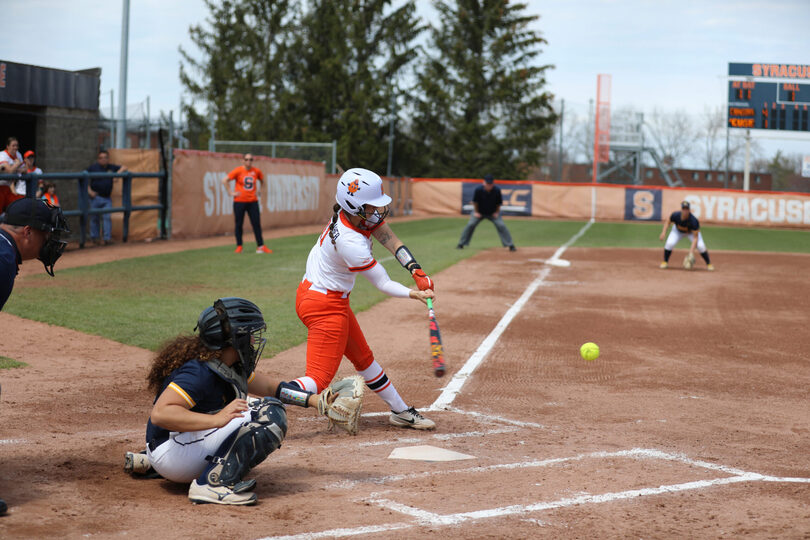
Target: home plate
[(427, 453), (558, 262)]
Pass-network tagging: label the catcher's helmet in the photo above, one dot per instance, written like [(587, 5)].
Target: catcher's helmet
[(234, 322), (358, 187), (44, 217)]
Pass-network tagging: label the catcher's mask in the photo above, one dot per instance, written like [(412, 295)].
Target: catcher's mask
[(42, 216), (358, 187), (234, 322)]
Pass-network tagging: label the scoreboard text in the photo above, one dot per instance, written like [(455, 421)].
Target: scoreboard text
[(768, 105)]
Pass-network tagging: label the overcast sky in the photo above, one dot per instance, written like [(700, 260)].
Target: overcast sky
[(665, 54)]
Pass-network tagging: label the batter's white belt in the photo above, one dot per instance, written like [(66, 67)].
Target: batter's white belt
[(327, 292)]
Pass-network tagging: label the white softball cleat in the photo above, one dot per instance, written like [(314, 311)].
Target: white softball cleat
[(200, 494), (136, 463), (411, 418)]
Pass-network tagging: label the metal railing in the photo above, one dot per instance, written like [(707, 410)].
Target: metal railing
[(84, 211)]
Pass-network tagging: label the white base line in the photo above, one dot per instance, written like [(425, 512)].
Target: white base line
[(453, 388), (562, 248), (426, 518)]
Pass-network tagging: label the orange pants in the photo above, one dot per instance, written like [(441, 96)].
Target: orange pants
[(333, 332), (7, 196)]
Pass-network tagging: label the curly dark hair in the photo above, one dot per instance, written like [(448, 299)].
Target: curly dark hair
[(173, 354)]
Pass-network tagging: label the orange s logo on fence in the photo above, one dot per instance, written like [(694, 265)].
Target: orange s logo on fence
[(354, 187)]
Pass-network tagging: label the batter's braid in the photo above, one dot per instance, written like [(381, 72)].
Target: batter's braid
[(335, 210), (175, 353)]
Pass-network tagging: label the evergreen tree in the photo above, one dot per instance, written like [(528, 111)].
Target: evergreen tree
[(274, 72), (481, 107), (344, 65), (241, 73)]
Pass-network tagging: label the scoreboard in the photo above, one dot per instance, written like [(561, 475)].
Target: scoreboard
[(762, 101), (769, 105)]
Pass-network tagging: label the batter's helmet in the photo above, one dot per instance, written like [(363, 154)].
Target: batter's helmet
[(358, 187)]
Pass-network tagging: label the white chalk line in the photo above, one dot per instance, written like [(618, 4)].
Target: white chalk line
[(488, 417), (426, 518), (93, 434), (13, 441), (407, 440), (637, 453), (492, 417), (453, 388), (562, 248)]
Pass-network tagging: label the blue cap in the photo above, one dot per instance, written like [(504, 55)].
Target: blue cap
[(489, 179)]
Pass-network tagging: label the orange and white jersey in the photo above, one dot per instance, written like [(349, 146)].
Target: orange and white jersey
[(246, 183), (8, 159), (336, 269)]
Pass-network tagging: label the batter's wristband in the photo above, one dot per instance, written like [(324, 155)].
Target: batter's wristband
[(287, 393), (405, 258)]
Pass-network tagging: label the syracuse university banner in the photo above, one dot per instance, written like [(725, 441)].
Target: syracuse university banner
[(294, 192), (551, 200), (720, 207)]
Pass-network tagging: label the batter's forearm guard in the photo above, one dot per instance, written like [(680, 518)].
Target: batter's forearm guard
[(405, 258), (292, 395)]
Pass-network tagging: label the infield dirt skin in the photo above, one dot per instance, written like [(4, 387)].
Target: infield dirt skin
[(701, 388)]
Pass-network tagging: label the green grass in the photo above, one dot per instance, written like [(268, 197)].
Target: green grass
[(645, 235), (148, 300), (10, 363)]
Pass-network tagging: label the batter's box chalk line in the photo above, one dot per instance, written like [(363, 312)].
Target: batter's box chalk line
[(420, 517)]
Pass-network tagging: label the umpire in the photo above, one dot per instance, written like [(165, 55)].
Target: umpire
[(487, 202), (30, 228)]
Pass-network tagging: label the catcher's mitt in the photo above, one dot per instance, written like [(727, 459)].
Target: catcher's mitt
[(689, 261), (341, 402)]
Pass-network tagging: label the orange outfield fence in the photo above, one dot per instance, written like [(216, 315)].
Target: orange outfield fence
[(448, 196)]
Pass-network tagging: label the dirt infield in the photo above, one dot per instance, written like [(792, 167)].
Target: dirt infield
[(694, 421)]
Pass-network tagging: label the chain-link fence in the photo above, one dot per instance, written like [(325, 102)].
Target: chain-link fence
[(325, 153)]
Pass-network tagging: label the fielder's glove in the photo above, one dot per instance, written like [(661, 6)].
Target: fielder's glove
[(422, 280), (689, 261), (341, 402)]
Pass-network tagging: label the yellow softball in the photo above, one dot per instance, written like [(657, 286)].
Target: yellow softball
[(589, 351)]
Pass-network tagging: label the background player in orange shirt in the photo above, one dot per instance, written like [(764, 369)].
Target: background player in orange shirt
[(245, 199)]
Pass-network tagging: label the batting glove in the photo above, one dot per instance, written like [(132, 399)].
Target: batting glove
[(422, 280)]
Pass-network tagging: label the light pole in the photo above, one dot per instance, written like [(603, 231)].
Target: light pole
[(121, 133)]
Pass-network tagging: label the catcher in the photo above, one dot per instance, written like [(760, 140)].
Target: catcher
[(342, 252), (686, 225), (203, 428)]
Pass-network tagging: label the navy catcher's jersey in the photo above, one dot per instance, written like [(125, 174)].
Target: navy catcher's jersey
[(685, 225), (204, 390), (9, 266)]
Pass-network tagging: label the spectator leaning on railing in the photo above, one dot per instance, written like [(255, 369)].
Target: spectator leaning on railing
[(30, 168), (100, 190)]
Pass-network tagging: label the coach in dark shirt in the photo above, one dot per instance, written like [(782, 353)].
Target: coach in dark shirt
[(487, 202), (100, 191)]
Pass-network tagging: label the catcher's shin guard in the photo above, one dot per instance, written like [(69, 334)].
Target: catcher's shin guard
[(250, 444)]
